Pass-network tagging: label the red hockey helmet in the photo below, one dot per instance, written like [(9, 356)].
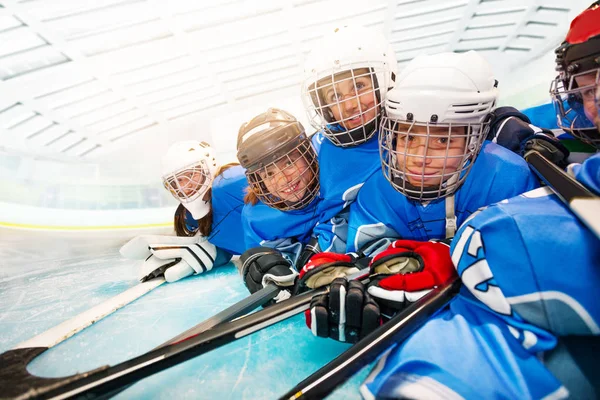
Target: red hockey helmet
[(578, 65)]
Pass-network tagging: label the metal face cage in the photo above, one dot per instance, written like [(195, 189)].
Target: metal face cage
[(428, 161), (190, 182), (289, 182)]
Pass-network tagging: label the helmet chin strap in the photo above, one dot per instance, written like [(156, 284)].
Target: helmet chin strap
[(348, 137)]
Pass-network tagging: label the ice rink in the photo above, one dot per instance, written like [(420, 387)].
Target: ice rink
[(48, 277)]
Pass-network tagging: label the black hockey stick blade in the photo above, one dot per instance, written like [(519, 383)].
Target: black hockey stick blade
[(339, 370), (17, 382), (584, 204)]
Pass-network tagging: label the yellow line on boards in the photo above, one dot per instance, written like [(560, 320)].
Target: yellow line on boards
[(84, 228)]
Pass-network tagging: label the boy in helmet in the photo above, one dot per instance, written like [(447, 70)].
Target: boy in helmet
[(207, 221), (572, 92)]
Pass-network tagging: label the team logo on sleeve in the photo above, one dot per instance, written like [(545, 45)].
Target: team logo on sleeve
[(469, 258)]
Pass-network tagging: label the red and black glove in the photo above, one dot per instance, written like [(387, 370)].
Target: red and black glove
[(406, 271), (347, 313)]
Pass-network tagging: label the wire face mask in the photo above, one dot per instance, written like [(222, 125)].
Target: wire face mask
[(426, 161), (189, 183), (289, 182), (575, 105), (347, 105)]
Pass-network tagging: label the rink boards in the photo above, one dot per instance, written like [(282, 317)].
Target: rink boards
[(264, 365)]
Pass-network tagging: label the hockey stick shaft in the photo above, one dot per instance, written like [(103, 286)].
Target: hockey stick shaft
[(65, 330), (15, 380), (326, 379), (584, 204), (108, 380)]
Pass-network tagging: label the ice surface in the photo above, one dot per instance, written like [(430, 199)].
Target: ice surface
[(38, 292)]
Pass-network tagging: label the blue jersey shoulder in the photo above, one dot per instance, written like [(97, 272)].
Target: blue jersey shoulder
[(382, 212), (529, 260)]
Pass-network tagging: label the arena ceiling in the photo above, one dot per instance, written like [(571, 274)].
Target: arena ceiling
[(77, 77)]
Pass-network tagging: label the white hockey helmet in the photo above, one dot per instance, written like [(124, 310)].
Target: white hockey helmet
[(188, 170), (435, 123), (365, 62)]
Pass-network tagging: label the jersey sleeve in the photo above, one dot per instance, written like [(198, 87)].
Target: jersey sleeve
[(530, 261)]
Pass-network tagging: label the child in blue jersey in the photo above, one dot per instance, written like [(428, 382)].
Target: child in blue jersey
[(437, 171), (346, 78), (207, 221), (572, 92), (437, 168), (527, 321)]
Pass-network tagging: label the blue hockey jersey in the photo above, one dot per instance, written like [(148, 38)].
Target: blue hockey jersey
[(381, 213), (530, 273), (228, 190)]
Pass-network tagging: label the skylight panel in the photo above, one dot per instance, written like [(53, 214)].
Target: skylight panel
[(19, 40), (64, 9), (193, 108), (102, 20), (255, 87), (71, 146), (137, 56), (150, 86), (87, 148), (116, 121), (30, 126), (8, 22), (58, 138), (14, 115), (123, 37), (182, 100), (424, 37), (148, 72), (88, 104), (49, 131), (72, 94), (241, 13), (488, 32), (268, 69), (486, 21), (130, 129), (198, 86), (30, 61), (102, 113)]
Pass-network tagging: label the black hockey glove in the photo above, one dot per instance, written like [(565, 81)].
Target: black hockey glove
[(347, 313), (512, 129), (262, 266)]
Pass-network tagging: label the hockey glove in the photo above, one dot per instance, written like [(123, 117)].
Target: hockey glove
[(264, 265), (174, 256), (513, 130), (347, 313), (407, 271)]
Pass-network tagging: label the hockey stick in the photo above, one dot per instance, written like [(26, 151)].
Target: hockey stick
[(17, 382), (107, 380), (576, 196), (326, 379)]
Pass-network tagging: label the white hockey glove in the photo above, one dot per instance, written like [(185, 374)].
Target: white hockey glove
[(174, 256)]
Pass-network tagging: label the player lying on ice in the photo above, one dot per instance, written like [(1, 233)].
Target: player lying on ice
[(207, 221)]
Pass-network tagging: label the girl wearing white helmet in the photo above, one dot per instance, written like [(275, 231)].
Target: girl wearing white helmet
[(207, 220)]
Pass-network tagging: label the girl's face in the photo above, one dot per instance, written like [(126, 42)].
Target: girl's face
[(351, 98), (288, 178), (429, 158), (187, 183)]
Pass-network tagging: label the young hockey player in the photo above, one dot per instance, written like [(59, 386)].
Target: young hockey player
[(207, 220), (437, 171), (518, 329), (572, 90)]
